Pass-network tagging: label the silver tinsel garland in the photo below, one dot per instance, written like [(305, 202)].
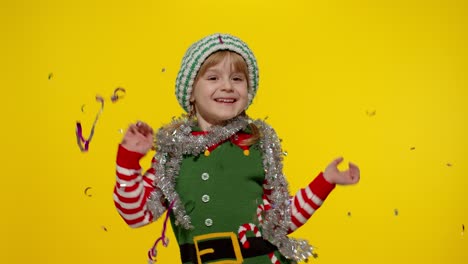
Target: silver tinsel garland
[(175, 140)]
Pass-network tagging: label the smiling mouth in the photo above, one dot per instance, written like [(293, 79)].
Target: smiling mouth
[(225, 100)]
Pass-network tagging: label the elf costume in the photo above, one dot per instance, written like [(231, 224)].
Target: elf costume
[(229, 203)]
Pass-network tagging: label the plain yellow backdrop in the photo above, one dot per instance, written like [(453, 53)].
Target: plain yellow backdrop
[(382, 83)]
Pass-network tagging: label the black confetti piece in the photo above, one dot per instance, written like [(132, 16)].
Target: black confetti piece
[(115, 96), (86, 191), (412, 148), (370, 113), (51, 75), (349, 214), (449, 165), (395, 212), (83, 108), (104, 228), (163, 70)]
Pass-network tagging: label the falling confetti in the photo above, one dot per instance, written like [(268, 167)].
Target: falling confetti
[(83, 108), (395, 212), (83, 143), (285, 153), (463, 230), (104, 228), (116, 96), (120, 130), (163, 70), (449, 165), (51, 75), (152, 252), (370, 113), (86, 191), (349, 214), (412, 148)]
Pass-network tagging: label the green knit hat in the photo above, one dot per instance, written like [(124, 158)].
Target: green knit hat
[(202, 49)]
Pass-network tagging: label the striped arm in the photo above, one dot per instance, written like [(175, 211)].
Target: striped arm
[(132, 189), (308, 200)]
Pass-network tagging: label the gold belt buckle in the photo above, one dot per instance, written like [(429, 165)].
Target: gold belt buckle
[(235, 246)]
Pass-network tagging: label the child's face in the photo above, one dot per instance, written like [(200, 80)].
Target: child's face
[(219, 94)]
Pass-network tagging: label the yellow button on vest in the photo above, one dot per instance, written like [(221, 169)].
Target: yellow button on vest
[(208, 222), (205, 198), (205, 176)]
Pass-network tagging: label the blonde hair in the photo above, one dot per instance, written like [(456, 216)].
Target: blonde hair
[(237, 63)]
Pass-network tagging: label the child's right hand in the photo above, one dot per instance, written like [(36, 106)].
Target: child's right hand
[(138, 138)]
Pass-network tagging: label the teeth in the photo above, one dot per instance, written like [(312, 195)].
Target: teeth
[(225, 100)]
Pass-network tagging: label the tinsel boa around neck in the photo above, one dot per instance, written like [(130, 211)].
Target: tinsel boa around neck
[(175, 140)]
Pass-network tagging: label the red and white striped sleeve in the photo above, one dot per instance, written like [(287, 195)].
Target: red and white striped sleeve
[(308, 200), (132, 189)]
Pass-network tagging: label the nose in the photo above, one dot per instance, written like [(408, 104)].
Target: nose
[(227, 86)]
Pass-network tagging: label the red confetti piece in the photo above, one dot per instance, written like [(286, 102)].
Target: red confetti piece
[(83, 143)]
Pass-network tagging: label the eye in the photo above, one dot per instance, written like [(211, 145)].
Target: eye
[(238, 78), (212, 78)]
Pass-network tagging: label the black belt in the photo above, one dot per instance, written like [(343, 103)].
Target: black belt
[(224, 249)]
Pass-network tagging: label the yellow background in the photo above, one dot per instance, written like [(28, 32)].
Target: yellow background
[(325, 66)]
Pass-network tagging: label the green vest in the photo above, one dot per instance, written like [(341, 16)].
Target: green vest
[(220, 192)]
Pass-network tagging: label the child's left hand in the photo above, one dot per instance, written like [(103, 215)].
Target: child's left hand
[(333, 175)]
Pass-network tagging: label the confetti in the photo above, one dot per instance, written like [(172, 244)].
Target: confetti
[(83, 108), (449, 165), (370, 113), (51, 75), (163, 70), (86, 191), (412, 148), (115, 97), (349, 214), (285, 153), (120, 130), (152, 253), (463, 230), (395, 212), (104, 228), (83, 143)]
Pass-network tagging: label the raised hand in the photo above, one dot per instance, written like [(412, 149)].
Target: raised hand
[(138, 138), (349, 176)]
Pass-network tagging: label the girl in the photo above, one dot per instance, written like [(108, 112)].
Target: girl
[(218, 172)]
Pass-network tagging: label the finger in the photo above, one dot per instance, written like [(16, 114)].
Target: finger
[(337, 161), (354, 169)]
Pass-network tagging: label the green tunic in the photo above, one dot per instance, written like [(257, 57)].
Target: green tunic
[(221, 192)]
